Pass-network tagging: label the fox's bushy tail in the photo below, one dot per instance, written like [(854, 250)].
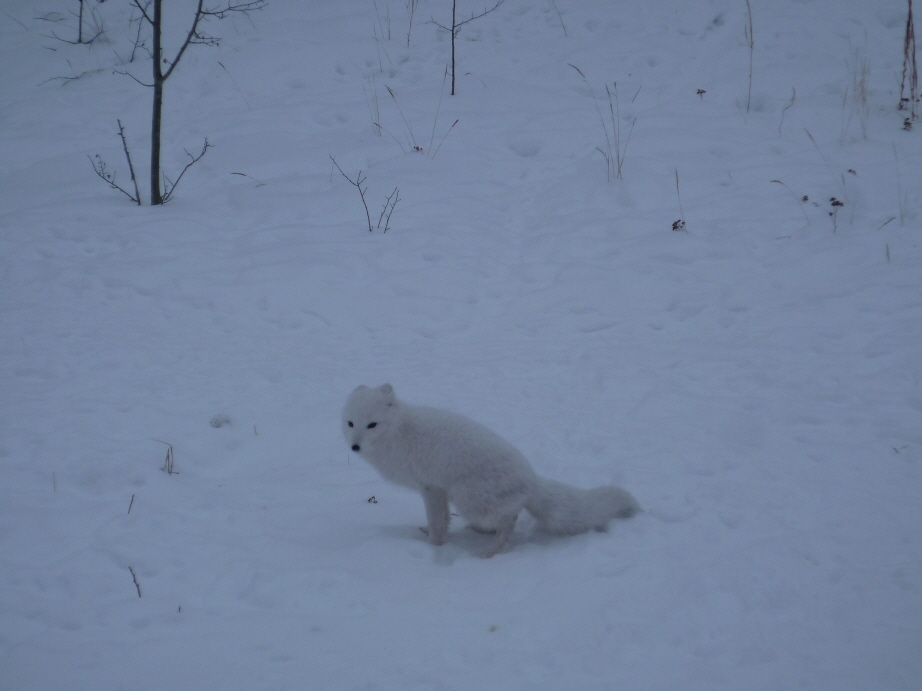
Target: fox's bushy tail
[(568, 510)]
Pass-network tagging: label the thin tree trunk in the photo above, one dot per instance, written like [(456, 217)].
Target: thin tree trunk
[(454, 31), (155, 196)]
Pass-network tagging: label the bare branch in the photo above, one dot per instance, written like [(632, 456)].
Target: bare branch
[(478, 16), (138, 43), (196, 37), (17, 21), (171, 186), (134, 180), (243, 7), (388, 209), (357, 183), (99, 167), (129, 74), (189, 37), (135, 579), (143, 10), (66, 80)]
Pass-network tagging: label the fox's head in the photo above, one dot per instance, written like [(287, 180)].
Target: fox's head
[(367, 415)]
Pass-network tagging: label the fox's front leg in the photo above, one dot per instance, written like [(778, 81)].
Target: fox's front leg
[(437, 515)]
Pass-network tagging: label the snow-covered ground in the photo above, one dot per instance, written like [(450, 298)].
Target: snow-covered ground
[(754, 379)]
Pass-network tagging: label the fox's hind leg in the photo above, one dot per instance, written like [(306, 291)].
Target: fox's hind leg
[(504, 528)]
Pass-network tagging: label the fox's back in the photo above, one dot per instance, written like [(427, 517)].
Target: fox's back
[(444, 448)]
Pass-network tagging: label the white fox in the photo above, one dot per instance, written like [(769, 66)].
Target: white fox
[(451, 459)]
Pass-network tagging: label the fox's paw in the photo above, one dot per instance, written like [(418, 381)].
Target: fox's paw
[(436, 537)]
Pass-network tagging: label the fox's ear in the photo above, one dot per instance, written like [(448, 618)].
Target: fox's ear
[(388, 392)]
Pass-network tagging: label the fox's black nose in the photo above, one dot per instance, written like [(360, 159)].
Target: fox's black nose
[(356, 447)]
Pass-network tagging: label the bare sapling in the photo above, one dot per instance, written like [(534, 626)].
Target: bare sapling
[(389, 203), (456, 27), (750, 41), (90, 25), (151, 17), (909, 86)]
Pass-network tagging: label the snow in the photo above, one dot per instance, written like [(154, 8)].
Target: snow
[(754, 379)]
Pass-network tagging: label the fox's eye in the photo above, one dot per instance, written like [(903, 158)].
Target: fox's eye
[(350, 423), (372, 425)]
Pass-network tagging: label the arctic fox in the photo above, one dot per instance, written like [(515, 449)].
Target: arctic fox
[(451, 459)]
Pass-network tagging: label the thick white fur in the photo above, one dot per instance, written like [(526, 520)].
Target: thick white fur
[(450, 459)]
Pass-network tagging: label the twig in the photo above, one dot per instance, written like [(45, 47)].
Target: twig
[(606, 156), (859, 67), (785, 109), (899, 184), (752, 43), (438, 108), (385, 29), (796, 198), (168, 463), (99, 167), (138, 43), (259, 183), (562, 25), (170, 187), (239, 90), (680, 224), (374, 107), (835, 204), (388, 209), (135, 579), (909, 86), (411, 138), (134, 180), (832, 171), (444, 137), (67, 80), (129, 74), (411, 11), (16, 20), (131, 503), (357, 183), (614, 160), (616, 127), (458, 25)]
